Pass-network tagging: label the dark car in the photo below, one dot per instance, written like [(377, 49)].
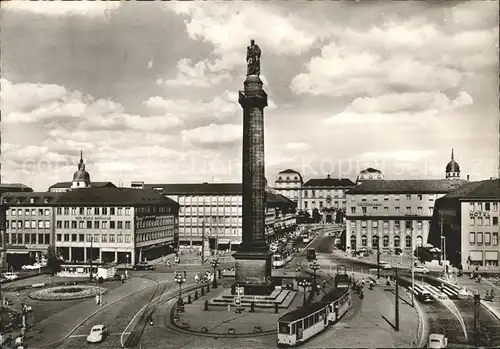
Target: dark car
[(143, 266)]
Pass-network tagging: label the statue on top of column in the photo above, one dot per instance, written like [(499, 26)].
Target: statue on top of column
[(253, 59)]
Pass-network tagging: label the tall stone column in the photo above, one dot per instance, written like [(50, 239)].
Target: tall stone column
[(253, 259)]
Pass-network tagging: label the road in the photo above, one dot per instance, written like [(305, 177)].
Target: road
[(440, 318)]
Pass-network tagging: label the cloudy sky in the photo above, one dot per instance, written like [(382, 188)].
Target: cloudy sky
[(149, 91)]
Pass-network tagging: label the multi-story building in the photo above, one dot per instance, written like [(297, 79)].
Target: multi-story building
[(115, 225), (29, 225), (369, 174), (289, 184), (214, 211), (4, 188), (465, 225), (396, 213), (326, 195)]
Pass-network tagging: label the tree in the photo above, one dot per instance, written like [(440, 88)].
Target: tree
[(53, 261), (316, 216)]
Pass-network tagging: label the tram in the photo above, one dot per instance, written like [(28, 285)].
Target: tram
[(280, 258), (306, 238), (301, 324)]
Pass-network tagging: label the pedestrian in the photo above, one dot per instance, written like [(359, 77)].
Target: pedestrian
[(96, 299), (196, 278), (185, 273)]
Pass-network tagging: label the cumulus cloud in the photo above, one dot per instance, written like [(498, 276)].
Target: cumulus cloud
[(400, 55), (63, 8), (220, 25), (213, 135), (297, 146)]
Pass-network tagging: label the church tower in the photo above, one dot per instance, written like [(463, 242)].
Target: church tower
[(81, 178), (452, 169)]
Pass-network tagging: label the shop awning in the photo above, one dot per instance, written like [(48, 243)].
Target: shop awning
[(491, 255), (476, 256)]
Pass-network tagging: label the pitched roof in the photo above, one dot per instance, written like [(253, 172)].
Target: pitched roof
[(197, 188), (93, 185), (370, 170), (29, 198), (113, 196), (289, 170), (329, 182), (14, 187), (407, 186), (477, 190), (274, 200)]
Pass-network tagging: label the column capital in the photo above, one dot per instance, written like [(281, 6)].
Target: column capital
[(256, 98)]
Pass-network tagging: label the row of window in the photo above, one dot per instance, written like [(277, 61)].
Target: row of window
[(28, 212), (27, 224), (408, 197), (483, 221), (324, 193), (104, 238), (313, 204), (476, 238), (488, 206), (96, 211), (92, 224), (385, 224), (221, 200), (385, 241), (385, 209), (156, 235), (27, 239), (198, 231)]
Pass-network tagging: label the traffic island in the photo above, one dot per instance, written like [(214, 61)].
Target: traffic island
[(202, 317)]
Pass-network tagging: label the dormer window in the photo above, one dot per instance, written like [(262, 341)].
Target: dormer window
[(18, 201), (32, 200), (45, 200), (5, 200), (287, 178)]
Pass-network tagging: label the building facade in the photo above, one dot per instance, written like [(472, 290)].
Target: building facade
[(29, 226), (99, 224), (214, 211), (115, 225), (326, 195), (465, 224), (5, 188), (289, 184), (392, 214)]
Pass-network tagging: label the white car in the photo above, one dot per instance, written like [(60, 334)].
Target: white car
[(421, 270), (34, 266), (10, 276), (437, 341), (97, 334), (385, 265), (463, 293)]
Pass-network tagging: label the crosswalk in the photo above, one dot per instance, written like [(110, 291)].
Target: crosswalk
[(435, 291)]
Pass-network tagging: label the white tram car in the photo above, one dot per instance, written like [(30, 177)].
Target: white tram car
[(301, 324), (281, 258)]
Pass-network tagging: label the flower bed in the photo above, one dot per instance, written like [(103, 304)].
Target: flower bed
[(60, 293)]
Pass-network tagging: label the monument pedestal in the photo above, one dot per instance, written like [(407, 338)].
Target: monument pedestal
[(253, 271)]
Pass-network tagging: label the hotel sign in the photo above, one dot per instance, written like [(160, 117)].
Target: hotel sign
[(369, 204), (473, 214), (91, 218)]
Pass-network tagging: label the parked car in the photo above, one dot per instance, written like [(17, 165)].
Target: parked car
[(385, 265), (437, 340), (10, 276), (97, 334), (463, 293), (420, 269), (35, 266), (143, 266), (425, 297)]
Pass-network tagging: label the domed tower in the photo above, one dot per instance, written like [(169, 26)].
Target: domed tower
[(369, 174), (452, 169), (81, 178)]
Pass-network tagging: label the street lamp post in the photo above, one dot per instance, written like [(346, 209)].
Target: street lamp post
[(443, 254), (412, 266), (305, 284), (315, 266), (128, 257), (215, 264), (180, 279), (378, 257), (91, 257)]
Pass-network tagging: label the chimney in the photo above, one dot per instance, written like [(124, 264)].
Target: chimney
[(468, 177)]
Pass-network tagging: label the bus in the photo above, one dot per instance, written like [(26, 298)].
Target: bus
[(311, 254), (281, 258)]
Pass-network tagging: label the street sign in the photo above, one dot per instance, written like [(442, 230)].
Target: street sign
[(240, 291), (237, 301)]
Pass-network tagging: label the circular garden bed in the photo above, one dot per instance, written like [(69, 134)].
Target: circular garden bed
[(61, 293)]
